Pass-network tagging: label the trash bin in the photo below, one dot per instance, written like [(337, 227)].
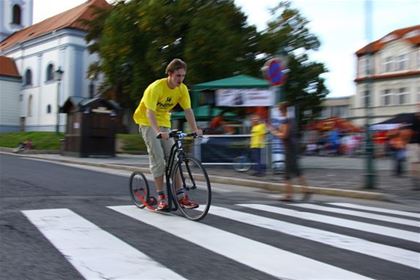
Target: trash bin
[(91, 127)]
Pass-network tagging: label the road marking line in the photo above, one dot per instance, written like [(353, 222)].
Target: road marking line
[(382, 230), (95, 253), (260, 256), (358, 245), (362, 214), (383, 210)]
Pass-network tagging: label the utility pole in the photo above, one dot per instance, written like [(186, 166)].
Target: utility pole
[(58, 76), (370, 168)]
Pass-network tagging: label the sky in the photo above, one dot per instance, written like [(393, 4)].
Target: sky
[(340, 25)]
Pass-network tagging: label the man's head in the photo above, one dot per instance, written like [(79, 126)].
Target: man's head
[(176, 71), (283, 107), (255, 119)]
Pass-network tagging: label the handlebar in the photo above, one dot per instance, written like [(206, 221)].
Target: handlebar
[(178, 134)]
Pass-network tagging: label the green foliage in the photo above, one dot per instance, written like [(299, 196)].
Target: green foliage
[(132, 143), (305, 88), (218, 43), (288, 35), (50, 141), (139, 38), (288, 31), (40, 140)]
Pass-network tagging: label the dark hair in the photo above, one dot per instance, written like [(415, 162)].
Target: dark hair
[(174, 65), (283, 106)]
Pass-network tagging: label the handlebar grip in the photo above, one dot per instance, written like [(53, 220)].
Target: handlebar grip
[(176, 133)]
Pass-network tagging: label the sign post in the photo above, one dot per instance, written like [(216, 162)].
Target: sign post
[(275, 71)]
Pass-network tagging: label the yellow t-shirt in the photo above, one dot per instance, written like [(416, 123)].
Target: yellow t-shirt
[(258, 136), (161, 99)]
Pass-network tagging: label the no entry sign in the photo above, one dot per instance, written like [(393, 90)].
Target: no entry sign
[(274, 71)]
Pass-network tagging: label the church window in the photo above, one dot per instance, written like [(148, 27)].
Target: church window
[(28, 77), (30, 100), (48, 109), (50, 72), (17, 15)]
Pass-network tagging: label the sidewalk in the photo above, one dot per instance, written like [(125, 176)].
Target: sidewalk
[(339, 176)]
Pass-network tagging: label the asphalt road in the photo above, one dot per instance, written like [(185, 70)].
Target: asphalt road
[(63, 221)]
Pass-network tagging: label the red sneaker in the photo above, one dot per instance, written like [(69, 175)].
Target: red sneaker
[(162, 206), (185, 202)]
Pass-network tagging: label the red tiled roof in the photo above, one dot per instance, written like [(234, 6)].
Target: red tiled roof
[(68, 19), (394, 35), (8, 67)]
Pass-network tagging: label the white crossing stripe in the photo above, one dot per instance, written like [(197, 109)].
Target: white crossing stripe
[(95, 253), (378, 217), (358, 245), (377, 229), (260, 256), (377, 209)]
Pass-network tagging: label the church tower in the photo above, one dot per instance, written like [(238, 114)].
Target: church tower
[(14, 16)]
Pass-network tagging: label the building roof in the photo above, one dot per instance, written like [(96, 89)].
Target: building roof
[(410, 34), (8, 67), (79, 104), (68, 19)]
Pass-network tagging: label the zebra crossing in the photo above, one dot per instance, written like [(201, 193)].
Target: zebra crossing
[(343, 241)]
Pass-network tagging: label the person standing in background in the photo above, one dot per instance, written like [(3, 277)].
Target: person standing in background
[(258, 131), (287, 131), (413, 150), (399, 139)]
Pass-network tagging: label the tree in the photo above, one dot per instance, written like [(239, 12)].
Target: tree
[(139, 38), (219, 43), (289, 36)]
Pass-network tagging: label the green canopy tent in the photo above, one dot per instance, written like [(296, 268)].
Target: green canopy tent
[(239, 81), (221, 150), (202, 113), (206, 110)]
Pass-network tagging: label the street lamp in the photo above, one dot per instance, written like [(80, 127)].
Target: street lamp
[(370, 168), (92, 78), (58, 75)]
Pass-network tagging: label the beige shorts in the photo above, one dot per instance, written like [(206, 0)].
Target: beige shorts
[(157, 149)]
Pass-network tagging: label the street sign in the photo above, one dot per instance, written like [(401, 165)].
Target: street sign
[(275, 72)]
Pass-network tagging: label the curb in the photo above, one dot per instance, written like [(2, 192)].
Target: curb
[(315, 190), (270, 186)]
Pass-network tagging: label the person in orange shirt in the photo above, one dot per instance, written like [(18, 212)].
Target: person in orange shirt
[(216, 125), (398, 141), (379, 138), (413, 150)]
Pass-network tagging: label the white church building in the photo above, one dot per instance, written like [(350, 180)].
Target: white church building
[(42, 64)]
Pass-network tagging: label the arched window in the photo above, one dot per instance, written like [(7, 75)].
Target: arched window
[(28, 77), (30, 106), (48, 109), (16, 15), (50, 72)]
